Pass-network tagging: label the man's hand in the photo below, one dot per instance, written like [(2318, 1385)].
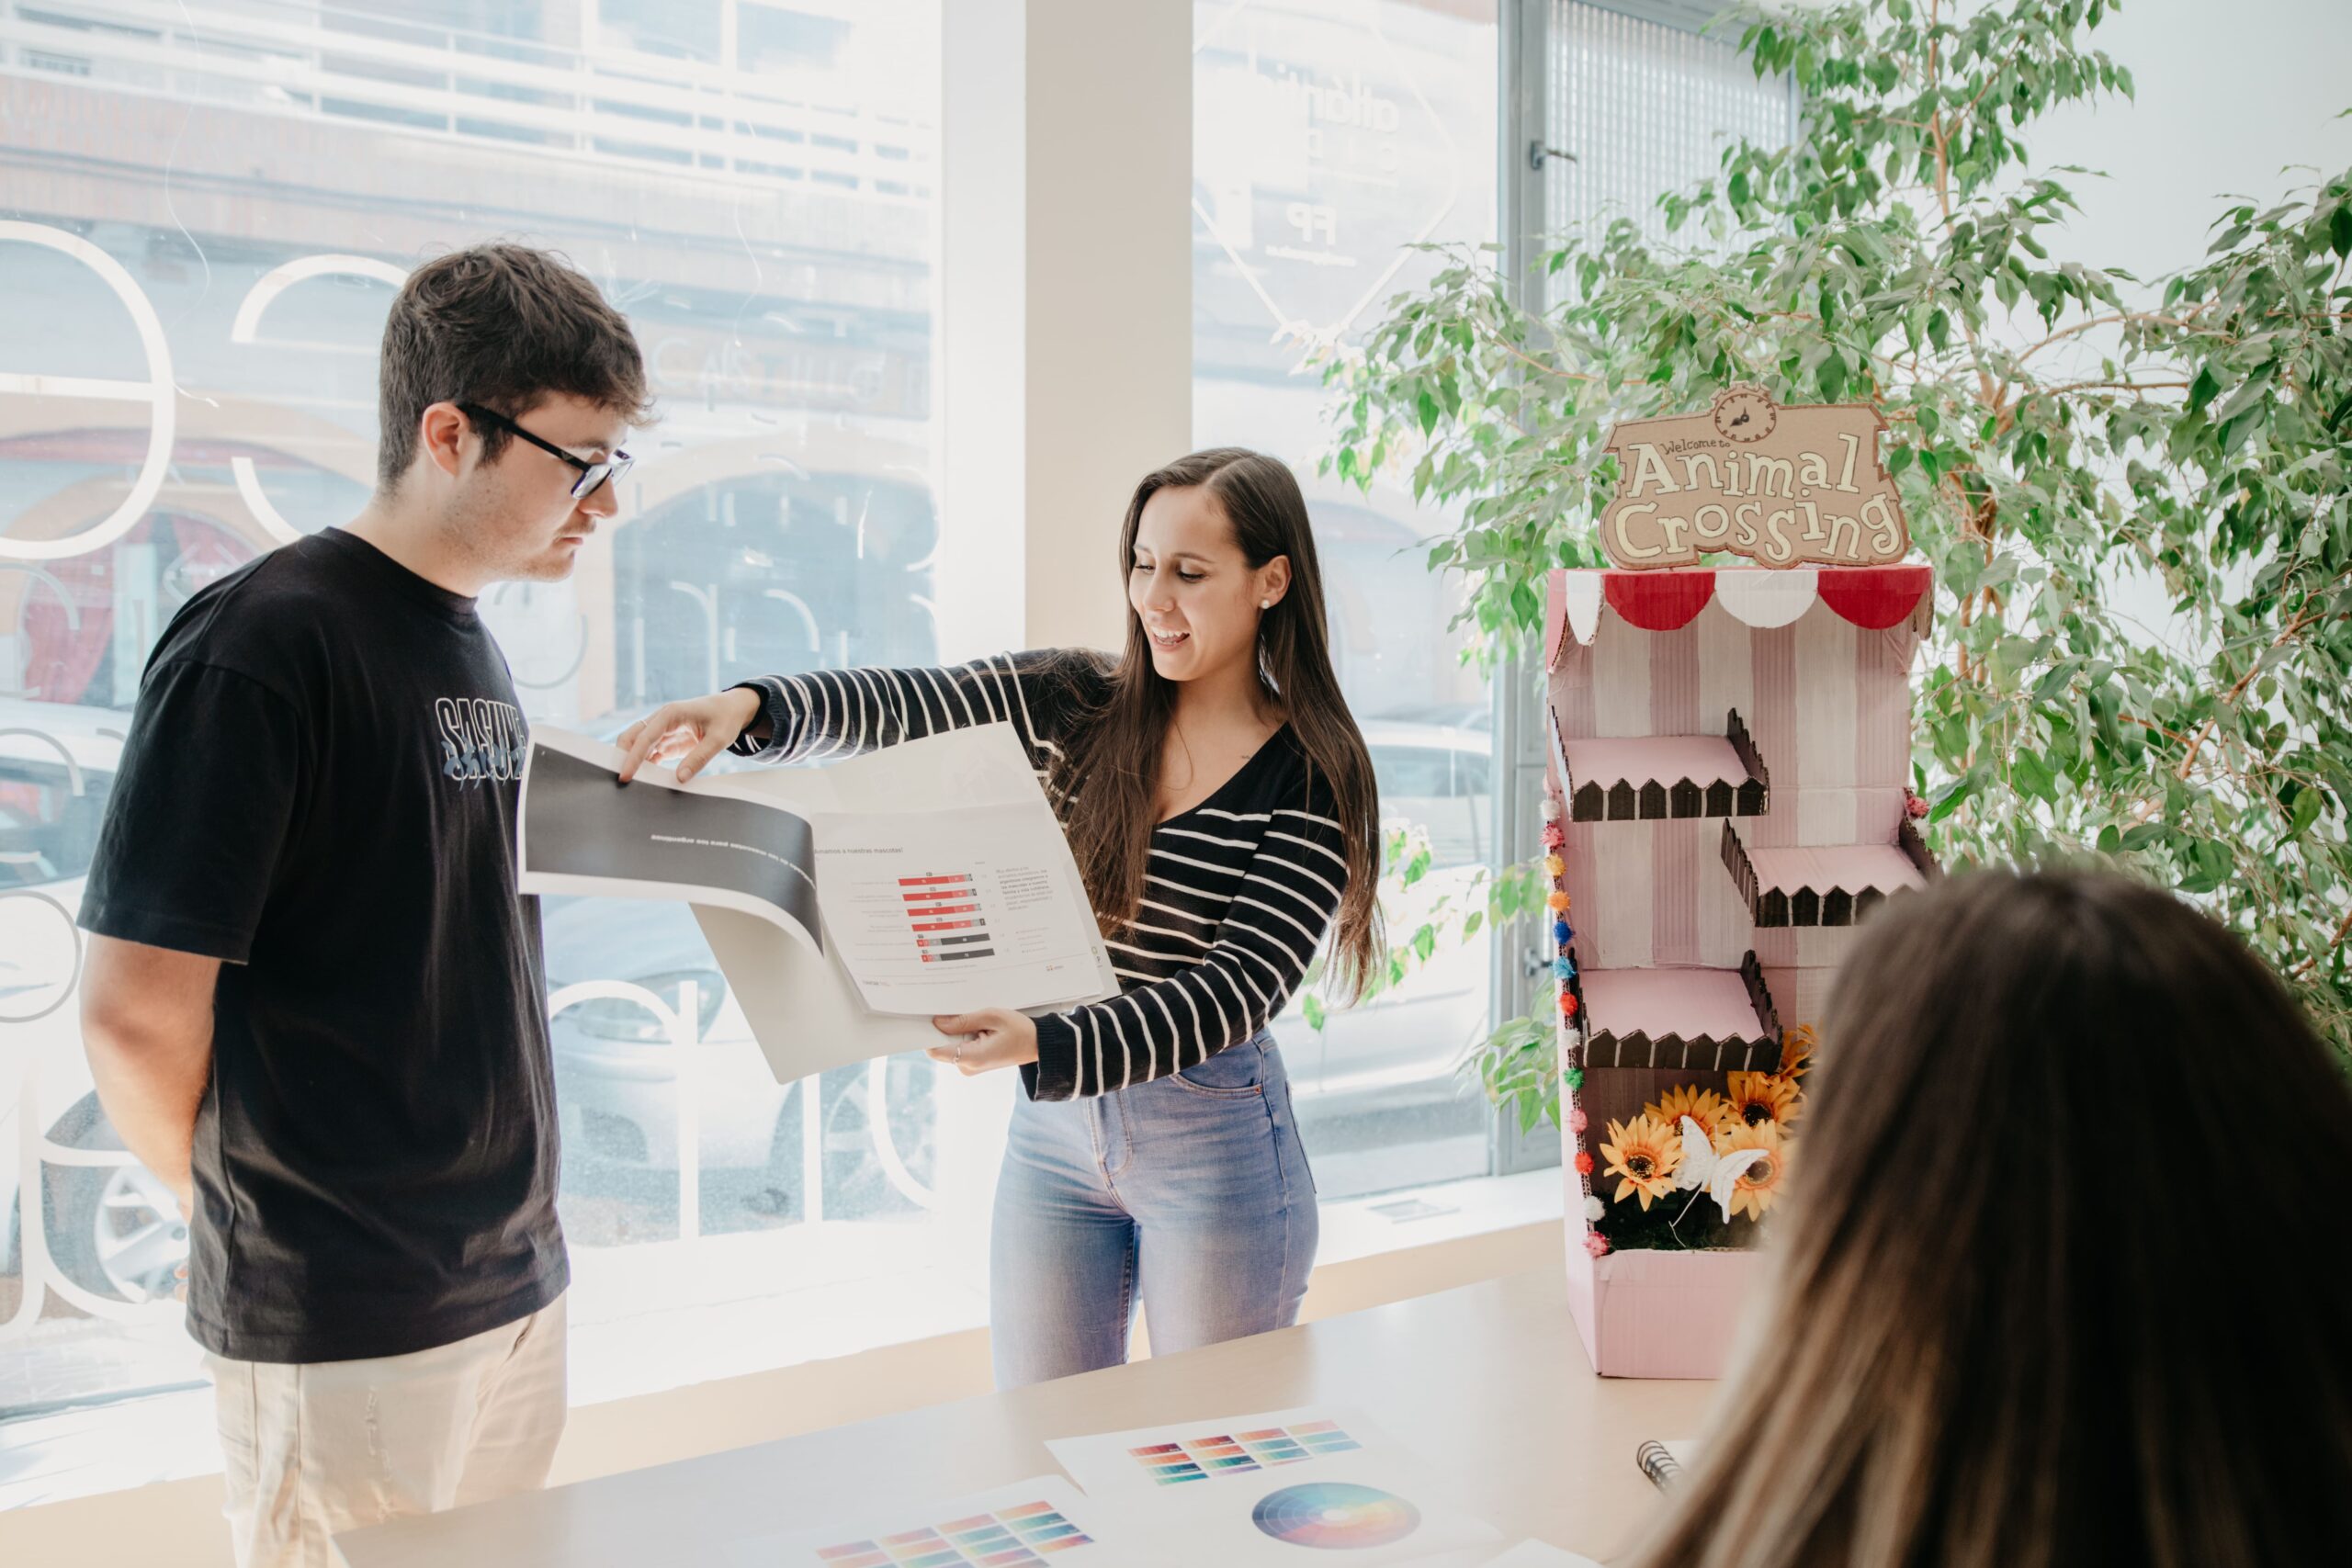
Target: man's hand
[(696, 731), (986, 1040)]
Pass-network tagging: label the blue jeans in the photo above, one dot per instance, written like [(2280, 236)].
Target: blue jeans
[(1189, 1194)]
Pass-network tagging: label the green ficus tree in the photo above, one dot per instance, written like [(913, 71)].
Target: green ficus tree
[(2057, 430)]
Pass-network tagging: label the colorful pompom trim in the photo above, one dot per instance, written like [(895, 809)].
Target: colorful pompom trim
[(1554, 865), (1595, 1244), (1561, 933), (1584, 1163), (1558, 901), (1553, 809), (1554, 836)]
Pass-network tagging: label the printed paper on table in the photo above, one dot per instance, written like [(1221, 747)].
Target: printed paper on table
[(1280, 1487), (1043, 1523), (1537, 1554)]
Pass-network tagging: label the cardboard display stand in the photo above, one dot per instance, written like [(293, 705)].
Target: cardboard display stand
[(1730, 761)]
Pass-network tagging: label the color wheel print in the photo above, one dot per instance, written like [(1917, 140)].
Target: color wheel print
[(1336, 1515)]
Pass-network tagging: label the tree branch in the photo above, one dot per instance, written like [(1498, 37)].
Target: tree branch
[(2289, 633), (2343, 927), (2116, 318)]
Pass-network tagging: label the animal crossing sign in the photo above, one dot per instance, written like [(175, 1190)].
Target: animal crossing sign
[(1781, 486)]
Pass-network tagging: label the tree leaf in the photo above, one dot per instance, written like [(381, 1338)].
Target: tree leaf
[(1831, 377), (2305, 811), (2031, 774), (2203, 390)]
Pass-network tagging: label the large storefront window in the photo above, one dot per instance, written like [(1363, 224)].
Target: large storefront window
[(204, 211), (1329, 136)]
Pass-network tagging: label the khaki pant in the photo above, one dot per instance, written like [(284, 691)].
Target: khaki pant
[(314, 1450)]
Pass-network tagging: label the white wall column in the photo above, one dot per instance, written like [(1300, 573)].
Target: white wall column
[(1065, 303)]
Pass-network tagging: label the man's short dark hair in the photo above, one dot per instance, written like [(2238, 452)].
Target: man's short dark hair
[(507, 327)]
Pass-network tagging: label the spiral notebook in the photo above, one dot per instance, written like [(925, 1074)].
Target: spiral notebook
[(1665, 1461)]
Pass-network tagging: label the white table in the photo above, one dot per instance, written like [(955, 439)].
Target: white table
[(1491, 1374)]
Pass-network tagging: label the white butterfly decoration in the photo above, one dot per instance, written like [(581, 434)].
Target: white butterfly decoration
[(1701, 1166)]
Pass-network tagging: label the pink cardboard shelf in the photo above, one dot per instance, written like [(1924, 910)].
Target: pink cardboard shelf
[(1826, 885), (1650, 778), (1679, 1020), (1805, 675)]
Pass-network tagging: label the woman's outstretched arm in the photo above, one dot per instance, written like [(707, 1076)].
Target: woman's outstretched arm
[(821, 714)]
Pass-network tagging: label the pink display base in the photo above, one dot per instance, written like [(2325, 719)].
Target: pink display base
[(1655, 1315)]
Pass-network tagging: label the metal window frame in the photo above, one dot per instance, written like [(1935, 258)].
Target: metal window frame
[(1517, 969), (1523, 95)]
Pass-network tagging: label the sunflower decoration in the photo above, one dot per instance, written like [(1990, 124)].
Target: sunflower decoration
[(1643, 1153), (1755, 1187), (1760, 1099), (1705, 1106), (1797, 1045)]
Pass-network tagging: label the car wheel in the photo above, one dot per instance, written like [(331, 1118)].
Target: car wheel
[(116, 1230)]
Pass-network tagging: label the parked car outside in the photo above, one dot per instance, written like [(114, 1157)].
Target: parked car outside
[(114, 1229)]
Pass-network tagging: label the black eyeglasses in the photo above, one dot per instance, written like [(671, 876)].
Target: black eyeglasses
[(592, 474)]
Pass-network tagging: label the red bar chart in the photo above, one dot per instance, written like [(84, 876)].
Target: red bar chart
[(944, 915)]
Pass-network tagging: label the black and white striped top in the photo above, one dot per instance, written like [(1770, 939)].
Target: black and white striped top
[(1238, 894)]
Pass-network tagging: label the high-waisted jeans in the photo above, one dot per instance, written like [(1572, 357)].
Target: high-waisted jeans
[(1187, 1195)]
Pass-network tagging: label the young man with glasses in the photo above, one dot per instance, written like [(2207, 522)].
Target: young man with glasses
[(314, 1002)]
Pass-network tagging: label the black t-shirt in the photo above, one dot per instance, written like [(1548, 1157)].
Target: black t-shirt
[(320, 788)]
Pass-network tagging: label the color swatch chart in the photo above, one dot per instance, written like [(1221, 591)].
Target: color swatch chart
[(945, 914), (1197, 1458), (1032, 1532)]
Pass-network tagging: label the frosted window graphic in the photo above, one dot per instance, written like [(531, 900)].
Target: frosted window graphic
[(204, 213)]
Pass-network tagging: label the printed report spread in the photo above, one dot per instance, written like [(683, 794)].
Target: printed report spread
[(847, 905)]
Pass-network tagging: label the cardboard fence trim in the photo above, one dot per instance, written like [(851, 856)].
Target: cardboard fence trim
[(1678, 1020), (1877, 598), (1659, 777), (1832, 884)]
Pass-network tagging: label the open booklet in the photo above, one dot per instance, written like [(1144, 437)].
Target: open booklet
[(846, 904)]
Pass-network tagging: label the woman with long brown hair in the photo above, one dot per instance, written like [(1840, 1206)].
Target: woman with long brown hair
[(1220, 804), (2054, 1288)]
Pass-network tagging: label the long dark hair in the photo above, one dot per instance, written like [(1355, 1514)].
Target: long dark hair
[(1118, 751), (2054, 1286)]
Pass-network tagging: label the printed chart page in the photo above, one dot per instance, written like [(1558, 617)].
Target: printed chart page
[(947, 911), (748, 849)]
